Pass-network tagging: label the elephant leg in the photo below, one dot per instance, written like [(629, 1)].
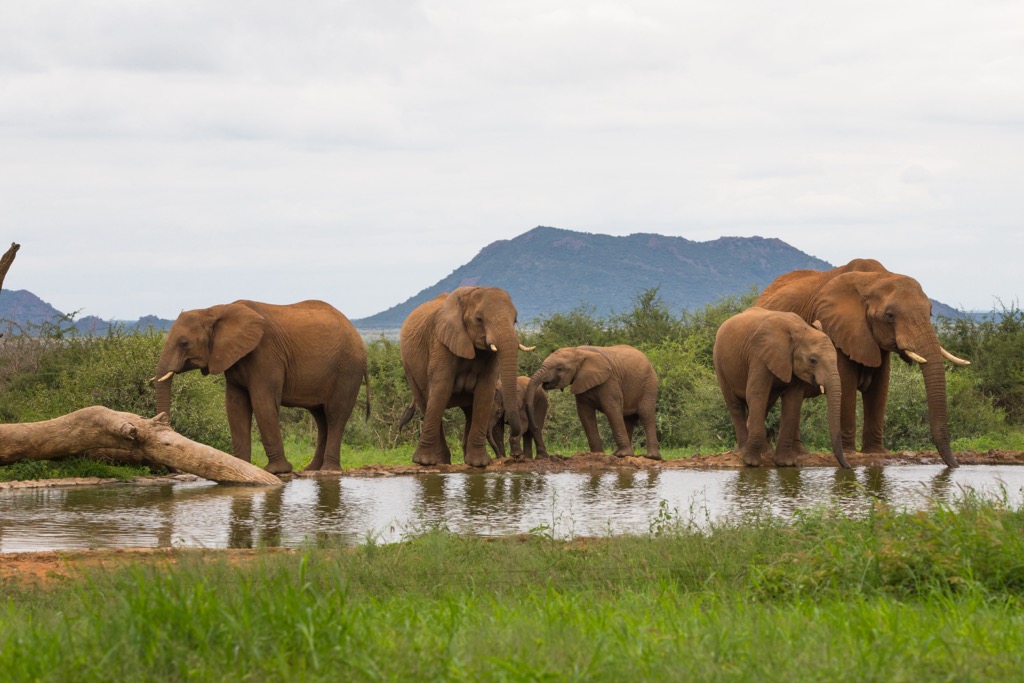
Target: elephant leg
[(646, 416), (540, 416), (432, 448), (239, 408), (467, 414), (623, 443), (588, 418), (474, 452), (321, 440), (336, 415), (759, 400), (875, 398), (785, 451), (268, 418), (528, 445), (737, 408)]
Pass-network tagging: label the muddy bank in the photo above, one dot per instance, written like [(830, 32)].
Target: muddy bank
[(583, 462)]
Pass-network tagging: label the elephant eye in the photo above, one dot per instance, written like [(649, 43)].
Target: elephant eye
[(183, 341), (812, 360), (890, 316)]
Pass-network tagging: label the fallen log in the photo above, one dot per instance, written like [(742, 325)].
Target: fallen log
[(101, 432)]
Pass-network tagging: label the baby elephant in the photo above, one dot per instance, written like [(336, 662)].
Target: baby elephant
[(496, 434), (761, 355), (617, 380)]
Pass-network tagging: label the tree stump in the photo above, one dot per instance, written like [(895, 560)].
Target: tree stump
[(100, 432)]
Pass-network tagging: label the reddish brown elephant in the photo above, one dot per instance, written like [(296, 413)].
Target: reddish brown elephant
[(496, 435), (762, 355), (869, 312), (618, 380), (305, 355), (454, 349)]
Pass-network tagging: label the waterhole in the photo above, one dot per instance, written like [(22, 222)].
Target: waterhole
[(353, 510)]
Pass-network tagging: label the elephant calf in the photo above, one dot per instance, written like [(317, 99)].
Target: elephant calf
[(619, 381), (760, 355), (496, 434)]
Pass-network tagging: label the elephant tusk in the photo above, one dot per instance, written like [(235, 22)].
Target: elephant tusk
[(953, 359), (493, 347), (822, 387), (914, 357), (164, 377), (526, 348)]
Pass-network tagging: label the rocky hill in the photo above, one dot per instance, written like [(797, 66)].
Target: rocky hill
[(549, 270), (23, 311)]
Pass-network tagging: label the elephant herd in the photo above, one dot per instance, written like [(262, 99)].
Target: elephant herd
[(810, 332)]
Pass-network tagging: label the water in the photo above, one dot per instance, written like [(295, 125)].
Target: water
[(353, 509)]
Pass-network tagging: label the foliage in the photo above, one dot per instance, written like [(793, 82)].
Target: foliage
[(52, 370), (994, 345)]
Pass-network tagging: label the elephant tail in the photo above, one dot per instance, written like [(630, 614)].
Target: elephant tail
[(366, 378), (407, 415)]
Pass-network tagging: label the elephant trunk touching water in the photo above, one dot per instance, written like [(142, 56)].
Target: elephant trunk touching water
[(871, 313)]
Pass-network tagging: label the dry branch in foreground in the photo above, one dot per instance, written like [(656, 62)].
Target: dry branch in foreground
[(99, 431)]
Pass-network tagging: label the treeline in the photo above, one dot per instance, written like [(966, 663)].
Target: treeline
[(52, 370)]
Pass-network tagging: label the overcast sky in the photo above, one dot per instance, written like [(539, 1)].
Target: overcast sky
[(161, 155)]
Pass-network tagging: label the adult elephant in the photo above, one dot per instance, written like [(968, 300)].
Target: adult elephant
[(760, 356), (870, 313), (496, 433), (454, 349), (618, 380), (305, 355)]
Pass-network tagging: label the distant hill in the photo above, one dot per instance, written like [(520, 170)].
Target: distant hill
[(549, 270), (22, 308)]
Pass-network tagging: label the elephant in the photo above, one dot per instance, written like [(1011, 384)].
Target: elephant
[(617, 380), (305, 355), (760, 355), (454, 349), (870, 313), (496, 434)]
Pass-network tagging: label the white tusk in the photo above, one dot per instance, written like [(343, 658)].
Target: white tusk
[(822, 387), (164, 377), (526, 348), (493, 347), (953, 359), (914, 357)]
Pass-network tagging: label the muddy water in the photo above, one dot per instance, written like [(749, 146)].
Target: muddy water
[(354, 509)]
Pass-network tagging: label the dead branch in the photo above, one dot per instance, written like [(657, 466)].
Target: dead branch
[(7, 260), (126, 437)]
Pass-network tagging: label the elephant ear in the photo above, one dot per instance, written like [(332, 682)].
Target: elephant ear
[(451, 329), (843, 311), (772, 342), (237, 330), (593, 369)]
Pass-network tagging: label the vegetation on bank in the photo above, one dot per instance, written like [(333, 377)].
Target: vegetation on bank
[(891, 596), (53, 370)]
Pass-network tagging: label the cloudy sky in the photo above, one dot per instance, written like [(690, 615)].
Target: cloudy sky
[(160, 155)]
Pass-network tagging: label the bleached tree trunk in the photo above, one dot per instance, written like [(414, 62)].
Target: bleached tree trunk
[(101, 432), (7, 260)]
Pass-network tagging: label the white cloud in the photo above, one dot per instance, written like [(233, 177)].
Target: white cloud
[(157, 151)]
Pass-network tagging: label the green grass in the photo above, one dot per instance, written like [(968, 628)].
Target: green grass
[(79, 466), (893, 596)]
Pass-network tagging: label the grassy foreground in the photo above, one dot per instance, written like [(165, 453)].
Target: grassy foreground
[(895, 596)]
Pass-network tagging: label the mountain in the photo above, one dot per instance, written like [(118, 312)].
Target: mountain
[(21, 308), (550, 270)]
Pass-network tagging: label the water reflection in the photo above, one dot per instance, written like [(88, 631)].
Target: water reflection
[(351, 510)]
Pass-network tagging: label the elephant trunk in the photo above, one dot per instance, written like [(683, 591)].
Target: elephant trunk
[(531, 392), (833, 394), (934, 373), (508, 371)]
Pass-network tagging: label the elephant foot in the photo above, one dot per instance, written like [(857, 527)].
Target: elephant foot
[(428, 458), (750, 458), (278, 466), (477, 459), (331, 467), (653, 455), (624, 453), (785, 459), (873, 449)]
